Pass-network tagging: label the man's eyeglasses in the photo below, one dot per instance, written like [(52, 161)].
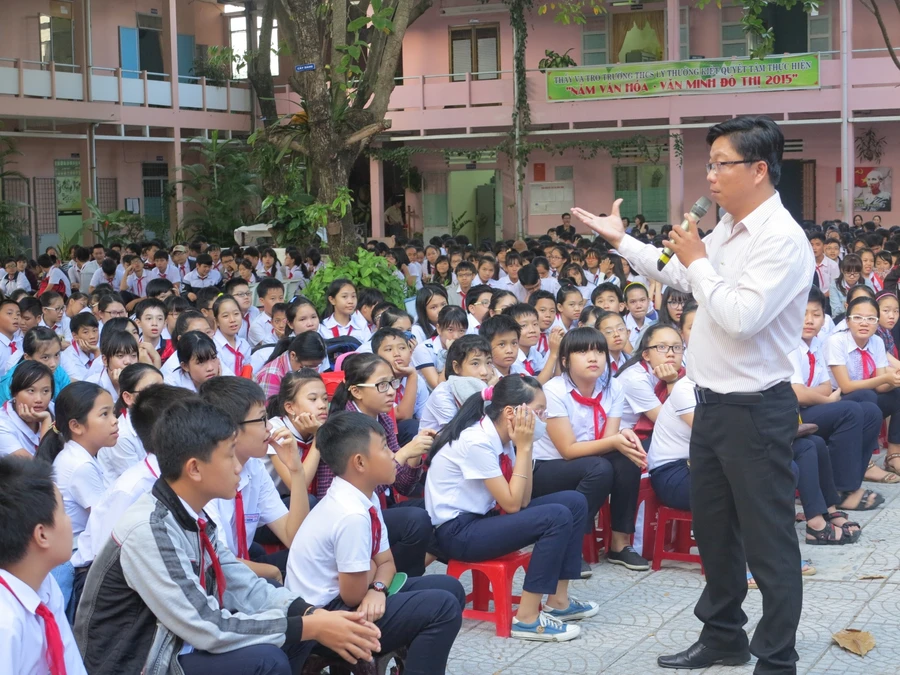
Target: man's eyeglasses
[(264, 419), (716, 167), (856, 318), (664, 349), (382, 387), (245, 294), (609, 332)]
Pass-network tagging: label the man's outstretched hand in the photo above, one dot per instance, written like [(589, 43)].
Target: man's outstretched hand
[(609, 227)]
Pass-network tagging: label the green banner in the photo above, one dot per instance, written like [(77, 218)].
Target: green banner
[(701, 76)]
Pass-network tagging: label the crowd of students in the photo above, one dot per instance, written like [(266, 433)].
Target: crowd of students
[(177, 484)]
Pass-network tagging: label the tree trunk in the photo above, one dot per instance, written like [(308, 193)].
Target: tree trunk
[(259, 70)]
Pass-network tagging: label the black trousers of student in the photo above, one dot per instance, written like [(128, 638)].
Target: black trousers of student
[(889, 404), (255, 660), (552, 523), (816, 479), (409, 533), (424, 616), (600, 477), (742, 498), (850, 427), (672, 484)]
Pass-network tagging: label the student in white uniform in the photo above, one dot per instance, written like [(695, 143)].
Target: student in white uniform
[(343, 558), (109, 273), (341, 317), (544, 304), (468, 370), (128, 450), (234, 351), (569, 303), (542, 366), (393, 346), (85, 422), (118, 350), (35, 636), (637, 302), (28, 414), (270, 292), (198, 359), (13, 279), (202, 276), (483, 460), (670, 474), (429, 357), (430, 300), (76, 360), (10, 337), (585, 448), (54, 279), (478, 304), (612, 326)]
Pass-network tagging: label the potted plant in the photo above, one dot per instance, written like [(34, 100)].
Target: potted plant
[(553, 60)]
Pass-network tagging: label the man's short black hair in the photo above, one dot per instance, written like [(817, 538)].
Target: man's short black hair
[(148, 406), (234, 395), (266, 285), (754, 137), (157, 287), (344, 434), (498, 325), (529, 275), (27, 499), (189, 429)]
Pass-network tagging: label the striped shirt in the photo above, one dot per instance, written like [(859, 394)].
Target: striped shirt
[(752, 291)]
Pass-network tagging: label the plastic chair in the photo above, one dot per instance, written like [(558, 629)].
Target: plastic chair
[(647, 496), (681, 522), (332, 380), (492, 580), (597, 541)]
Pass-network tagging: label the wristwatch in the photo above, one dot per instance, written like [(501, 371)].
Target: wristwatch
[(378, 586)]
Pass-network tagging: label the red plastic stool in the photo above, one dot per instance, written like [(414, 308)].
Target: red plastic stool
[(332, 380), (681, 521), (598, 540), (492, 579), (651, 516)]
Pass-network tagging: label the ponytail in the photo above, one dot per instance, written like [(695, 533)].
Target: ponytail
[(75, 402)]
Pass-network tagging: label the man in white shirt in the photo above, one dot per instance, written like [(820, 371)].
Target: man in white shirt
[(751, 278)]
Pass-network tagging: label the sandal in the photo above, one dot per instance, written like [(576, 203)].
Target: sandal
[(850, 533), (825, 537), (889, 477), (863, 504), (887, 464)]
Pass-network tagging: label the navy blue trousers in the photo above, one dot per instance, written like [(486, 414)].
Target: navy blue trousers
[(672, 484), (816, 481)]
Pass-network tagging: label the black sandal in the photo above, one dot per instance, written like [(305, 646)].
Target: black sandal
[(853, 535), (863, 504), (824, 537)]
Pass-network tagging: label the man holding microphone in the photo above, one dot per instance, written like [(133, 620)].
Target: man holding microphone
[(751, 277)]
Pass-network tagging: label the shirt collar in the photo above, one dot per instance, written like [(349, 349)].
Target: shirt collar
[(25, 593), (570, 386), (851, 345), (494, 438), (19, 423), (757, 218), (79, 450), (348, 494), (190, 511)]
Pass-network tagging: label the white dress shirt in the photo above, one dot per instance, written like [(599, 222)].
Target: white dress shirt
[(439, 409), (827, 271), (227, 358), (801, 362), (6, 351), (752, 291), (81, 481), (127, 451), (262, 331), (842, 350), (638, 384), (15, 434), (671, 434)]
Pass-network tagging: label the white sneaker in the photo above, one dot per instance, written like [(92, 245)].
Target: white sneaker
[(545, 629)]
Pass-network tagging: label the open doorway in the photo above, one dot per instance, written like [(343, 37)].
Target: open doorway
[(472, 203)]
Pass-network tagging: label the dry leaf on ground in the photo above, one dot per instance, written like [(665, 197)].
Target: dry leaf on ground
[(872, 576), (857, 641)]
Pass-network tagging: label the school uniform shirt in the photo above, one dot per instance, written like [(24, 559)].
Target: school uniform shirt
[(531, 363), (304, 445), (74, 274), (558, 323), (474, 324), (127, 451), (440, 408), (262, 331), (551, 285), (183, 270), (8, 284), (638, 385), (561, 404), (828, 328), (419, 334), (100, 278), (518, 290), (421, 394), (292, 273), (23, 641), (194, 280), (15, 434), (61, 329), (874, 282), (137, 284), (55, 280), (335, 538), (261, 502), (842, 350), (827, 271), (171, 274), (102, 378), (247, 321), (430, 353), (358, 328), (80, 478), (810, 368), (228, 355), (456, 476), (634, 332), (672, 435), (179, 378), (8, 347)]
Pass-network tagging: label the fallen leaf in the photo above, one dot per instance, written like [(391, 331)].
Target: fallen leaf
[(872, 576), (857, 641)]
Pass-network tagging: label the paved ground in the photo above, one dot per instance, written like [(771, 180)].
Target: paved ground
[(643, 615)]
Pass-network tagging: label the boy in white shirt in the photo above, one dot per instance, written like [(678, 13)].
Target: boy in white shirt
[(10, 338), (109, 273), (14, 279), (478, 302), (163, 269), (342, 558), (270, 292), (54, 278), (78, 357), (240, 290), (203, 276), (135, 279), (430, 356), (36, 537)]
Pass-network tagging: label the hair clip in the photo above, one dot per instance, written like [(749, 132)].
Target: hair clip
[(487, 393)]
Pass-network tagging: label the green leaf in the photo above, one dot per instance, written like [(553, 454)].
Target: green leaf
[(358, 23), (354, 51)]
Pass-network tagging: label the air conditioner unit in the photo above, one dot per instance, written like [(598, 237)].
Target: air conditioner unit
[(468, 10)]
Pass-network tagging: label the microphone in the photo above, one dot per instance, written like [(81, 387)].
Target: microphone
[(699, 209)]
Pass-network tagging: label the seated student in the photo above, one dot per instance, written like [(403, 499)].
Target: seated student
[(247, 271), (390, 316), (478, 304), (118, 350), (31, 314), (36, 537), (500, 300), (468, 371), (393, 346), (612, 326), (569, 303), (542, 366), (637, 301), (547, 281), (161, 289), (77, 359), (271, 265), (585, 448), (849, 426), (369, 387), (889, 312), (342, 557), (850, 275), (293, 269), (270, 292), (257, 502), (301, 406), (110, 306), (502, 332), (234, 351), (859, 366), (306, 350), (150, 316), (485, 269), (53, 316), (205, 297), (430, 300), (263, 628), (202, 276), (26, 416), (464, 274), (368, 300), (483, 460), (544, 304), (42, 345), (163, 268), (10, 337), (13, 279), (430, 356), (648, 376), (510, 275), (175, 305), (134, 279), (340, 317), (189, 320), (128, 450), (109, 273), (54, 279), (198, 360), (301, 317)]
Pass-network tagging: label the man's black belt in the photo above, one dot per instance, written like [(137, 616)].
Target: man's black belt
[(709, 397)]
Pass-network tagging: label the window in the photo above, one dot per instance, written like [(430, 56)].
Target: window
[(593, 44), (475, 50), (734, 42), (57, 42), (684, 34), (820, 34), (273, 56), (644, 189), (561, 173), (237, 26)]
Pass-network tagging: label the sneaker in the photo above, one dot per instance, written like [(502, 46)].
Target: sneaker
[(586, 571), (545, 629), (630, 559), (575, 611)]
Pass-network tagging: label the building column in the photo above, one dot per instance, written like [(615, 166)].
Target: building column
[(376, 194), (170, 48), (673, 29), (676, 176), (176, 209), (848, 168), (86, 160)]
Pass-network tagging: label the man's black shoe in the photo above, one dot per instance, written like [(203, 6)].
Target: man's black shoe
[(701, 656)]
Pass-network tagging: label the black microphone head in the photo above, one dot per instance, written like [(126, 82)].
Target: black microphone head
[(700, 207)]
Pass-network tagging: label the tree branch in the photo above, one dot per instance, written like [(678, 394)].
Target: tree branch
[(338, 39), (884, 32), (259, 70), (384, 85), (367, 132)]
